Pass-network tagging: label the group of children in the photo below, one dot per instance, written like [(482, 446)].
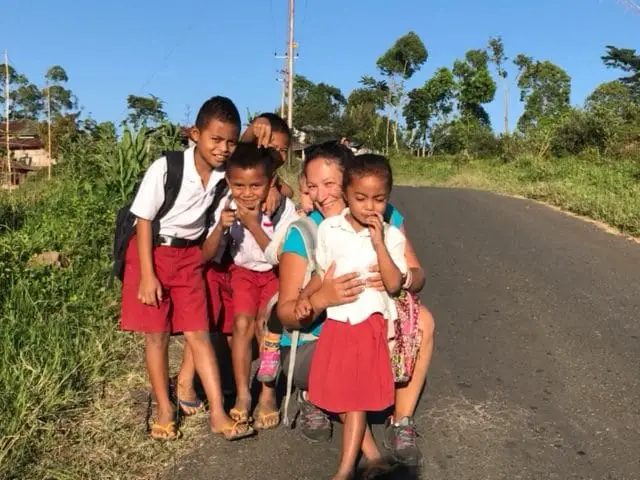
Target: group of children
[(203, 267)]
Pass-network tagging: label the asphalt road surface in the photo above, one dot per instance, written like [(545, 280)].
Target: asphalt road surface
[(536, 372)]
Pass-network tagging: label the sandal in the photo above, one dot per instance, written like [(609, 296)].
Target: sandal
[(166, 432), (262, 419), (240, 415), (239, 434), (197, 405)]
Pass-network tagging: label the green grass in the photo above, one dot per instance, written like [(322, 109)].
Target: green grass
[(68, 377), (605, 191)]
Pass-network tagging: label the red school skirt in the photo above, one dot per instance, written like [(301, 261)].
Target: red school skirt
[(351, 367)]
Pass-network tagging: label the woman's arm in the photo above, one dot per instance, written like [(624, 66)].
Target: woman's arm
[(417, 272), (332, 292), (292, 272)]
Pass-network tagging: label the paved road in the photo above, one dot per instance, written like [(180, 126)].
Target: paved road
[(536, 373)]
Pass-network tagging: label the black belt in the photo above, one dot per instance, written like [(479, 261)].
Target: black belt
[(166, 241)]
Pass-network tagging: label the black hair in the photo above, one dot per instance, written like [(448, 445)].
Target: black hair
[(219, 108), (277, 123), (368, 164), (331, 151), (248, 156)]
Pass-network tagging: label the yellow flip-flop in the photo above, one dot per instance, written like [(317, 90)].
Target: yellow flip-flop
[(234, 428), (168, 432), (261, 419), (240, 415)]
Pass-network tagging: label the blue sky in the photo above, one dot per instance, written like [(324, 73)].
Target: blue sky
[(186, 51)]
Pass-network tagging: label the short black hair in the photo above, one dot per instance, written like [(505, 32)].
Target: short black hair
[(368, 164), (219, 108), (248, 156), (331, 151), (277, 123)]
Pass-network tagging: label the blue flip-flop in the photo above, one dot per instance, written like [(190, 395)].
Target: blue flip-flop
[(197, 404)]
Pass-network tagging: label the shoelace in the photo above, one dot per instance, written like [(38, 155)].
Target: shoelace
[(406, 436), (313, 417)]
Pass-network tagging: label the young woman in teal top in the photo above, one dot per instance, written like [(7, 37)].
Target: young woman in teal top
[(323, 169)]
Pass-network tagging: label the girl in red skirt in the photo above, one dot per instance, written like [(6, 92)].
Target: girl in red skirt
[(351, 370)]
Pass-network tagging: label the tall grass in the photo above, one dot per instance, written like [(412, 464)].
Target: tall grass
[(59, 337), (607, 191)]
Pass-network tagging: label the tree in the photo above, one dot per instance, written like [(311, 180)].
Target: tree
[(627, 60), (498, 58), (475, 86), (361, 119), (28, 102), (398, 64), (16, 81), (62, 99), (545, 91), (613, 96), (316, 107), (433, 100), (145, 111)]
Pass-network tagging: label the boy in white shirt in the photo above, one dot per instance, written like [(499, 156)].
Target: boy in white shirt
[(163, 290), (241, 222)]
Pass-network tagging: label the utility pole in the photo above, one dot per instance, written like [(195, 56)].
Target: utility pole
[(283, 78), (290, 68), (286, 74), (6, 109), (49, 126)]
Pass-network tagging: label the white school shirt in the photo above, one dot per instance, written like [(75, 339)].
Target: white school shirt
[(186, 219), (244, 248), (353, 252)]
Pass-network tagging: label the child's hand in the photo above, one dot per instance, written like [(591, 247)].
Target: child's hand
[(306, 203), (375, 280), (150, 291), (247, 215), (272, 201), (262, 131), (228, 215), (303, 308), (376, 230)]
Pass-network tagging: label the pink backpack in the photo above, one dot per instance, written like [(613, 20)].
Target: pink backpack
[(407, 337)]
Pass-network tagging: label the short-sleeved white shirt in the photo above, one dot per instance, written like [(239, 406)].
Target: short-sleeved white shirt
[(353, 252), (245, 250), (186, 219)]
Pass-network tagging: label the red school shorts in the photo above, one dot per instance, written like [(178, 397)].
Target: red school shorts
[(220, 303), (184, 300), (252, 290)]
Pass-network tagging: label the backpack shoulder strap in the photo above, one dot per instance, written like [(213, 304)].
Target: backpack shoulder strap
[(173, 182), (308, 230), (219, 192), (277, 213)]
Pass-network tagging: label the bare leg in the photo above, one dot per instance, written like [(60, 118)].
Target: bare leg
[(207, 368), (186, 378), (369, 447), (243, 333), (157, 359), (355, 424)]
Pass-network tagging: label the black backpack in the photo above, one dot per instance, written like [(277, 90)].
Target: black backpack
[(125, 220)]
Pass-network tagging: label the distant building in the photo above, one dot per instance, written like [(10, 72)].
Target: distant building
[(19, 172), (27, 149), (25, 144)]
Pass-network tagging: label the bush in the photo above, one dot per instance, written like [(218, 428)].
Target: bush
[(59, 333)]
